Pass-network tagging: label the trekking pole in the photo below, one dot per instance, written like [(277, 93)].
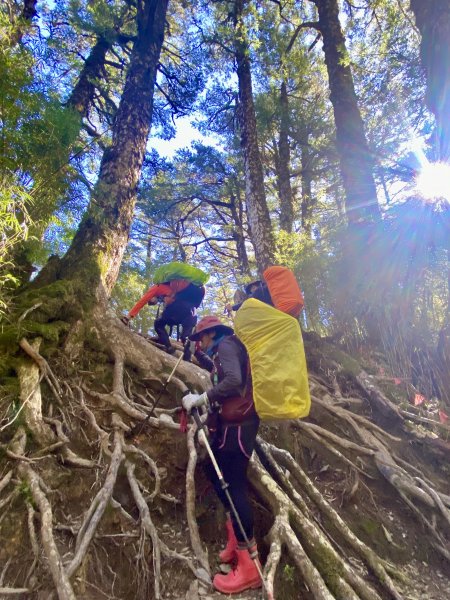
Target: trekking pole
[(224, 486), (135, 431)]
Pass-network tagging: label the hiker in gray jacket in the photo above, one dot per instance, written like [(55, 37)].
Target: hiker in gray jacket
[(233, 425)]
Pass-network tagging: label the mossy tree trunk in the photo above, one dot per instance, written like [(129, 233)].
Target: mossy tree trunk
[(96, 251)]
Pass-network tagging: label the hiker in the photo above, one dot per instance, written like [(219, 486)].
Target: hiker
[(179, 309), (233, 426), (256, 289)]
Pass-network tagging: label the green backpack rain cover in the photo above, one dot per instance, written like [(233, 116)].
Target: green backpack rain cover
[(274, 343), (179, 270)]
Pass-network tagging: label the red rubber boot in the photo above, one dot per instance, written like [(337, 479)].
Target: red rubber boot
[(244, 577), (228, 554)]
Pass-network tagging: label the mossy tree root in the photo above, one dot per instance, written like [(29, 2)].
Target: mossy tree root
[(377, 449), (373, 562), (275, 488)]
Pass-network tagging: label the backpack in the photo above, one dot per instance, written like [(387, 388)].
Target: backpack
[(284, 290), (193, 294), (273, 340), (179, 270)]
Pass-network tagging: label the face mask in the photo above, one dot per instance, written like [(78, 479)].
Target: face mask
[(212, 349)]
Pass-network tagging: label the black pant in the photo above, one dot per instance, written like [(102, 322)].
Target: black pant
[(178, 313), (233, 449)]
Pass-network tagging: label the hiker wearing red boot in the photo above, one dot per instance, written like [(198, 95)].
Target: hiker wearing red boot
[(233, 426)]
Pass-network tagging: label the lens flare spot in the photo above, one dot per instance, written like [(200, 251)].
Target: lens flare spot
[(433, 182)]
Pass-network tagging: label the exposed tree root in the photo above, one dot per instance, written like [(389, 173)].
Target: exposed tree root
[(33, 540), (33, 351), (59, 573), (158, 546), (379, 402), (379, 443), (340, 577), (97, 507), (374, 563), (333, 562), (196, 544)]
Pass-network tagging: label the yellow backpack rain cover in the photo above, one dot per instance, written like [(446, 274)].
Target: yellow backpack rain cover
[(277, 358)]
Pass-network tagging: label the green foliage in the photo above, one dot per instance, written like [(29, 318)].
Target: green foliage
[(193, 206), (313, 262), (14, 225), (25, 492), (130, 286), (288, 572), (36, 135)]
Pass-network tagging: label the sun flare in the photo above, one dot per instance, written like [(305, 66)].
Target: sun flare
[(433, 182)]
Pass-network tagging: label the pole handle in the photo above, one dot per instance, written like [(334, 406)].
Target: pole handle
[(196, 415)]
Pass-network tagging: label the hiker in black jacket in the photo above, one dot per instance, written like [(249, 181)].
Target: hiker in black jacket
[(256, 289), (233, 426), (180, 299)]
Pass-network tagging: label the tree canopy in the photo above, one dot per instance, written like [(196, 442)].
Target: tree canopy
[(324, 145)]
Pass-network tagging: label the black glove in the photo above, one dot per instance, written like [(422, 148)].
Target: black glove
[(125, 320)]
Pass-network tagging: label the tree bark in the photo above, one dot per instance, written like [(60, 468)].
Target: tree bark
[(307, 199), (433, 22), (257, 210), (96, 251), (238, 234), (283, 164), (94, 68), (24, 21), (355, 160)]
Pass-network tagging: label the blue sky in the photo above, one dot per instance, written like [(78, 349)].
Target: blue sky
[(186, 134)]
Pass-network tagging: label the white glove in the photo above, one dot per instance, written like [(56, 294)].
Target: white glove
[(194, 400)]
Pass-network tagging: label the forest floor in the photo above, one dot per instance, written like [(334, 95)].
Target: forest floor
[(120, 561), (376, 515)]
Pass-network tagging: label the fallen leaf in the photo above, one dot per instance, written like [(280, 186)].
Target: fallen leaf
[(443, 418), (419, 399)]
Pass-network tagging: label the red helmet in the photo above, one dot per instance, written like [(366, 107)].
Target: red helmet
[(207, 323)]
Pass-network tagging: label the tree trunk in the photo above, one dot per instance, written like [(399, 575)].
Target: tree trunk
[(433, 22), (355, 160), (148, 255), (238, 234), (80, 100), (96, 251), (307, 199), (283, 165), (257, 211), (24, 21), (94, 68)]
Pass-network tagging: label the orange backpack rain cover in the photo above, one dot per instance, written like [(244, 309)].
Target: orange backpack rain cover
[(284, 290)]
